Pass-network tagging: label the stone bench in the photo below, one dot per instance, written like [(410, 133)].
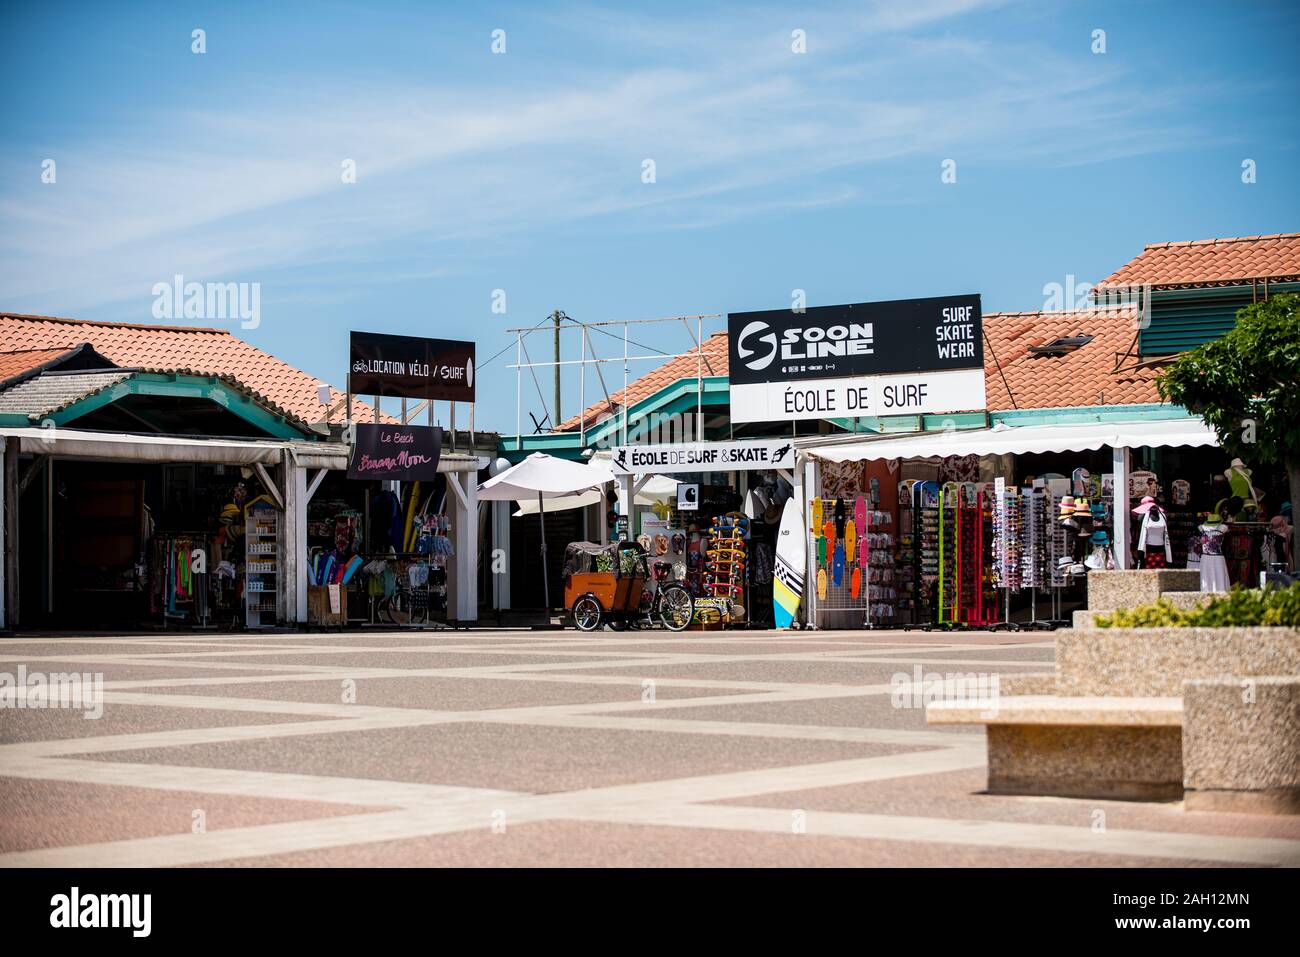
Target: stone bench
[(1241, 744), (1150, 714), (1127, 748)]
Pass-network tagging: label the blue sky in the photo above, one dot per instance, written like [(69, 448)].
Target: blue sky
[(522, 171)]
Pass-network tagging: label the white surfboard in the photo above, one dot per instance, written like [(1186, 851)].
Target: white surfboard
[(791, 561)]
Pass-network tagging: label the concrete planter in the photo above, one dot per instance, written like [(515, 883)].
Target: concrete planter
[(1154, 662)]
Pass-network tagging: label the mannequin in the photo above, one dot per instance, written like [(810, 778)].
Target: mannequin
[(1153, 539), (1214, 567)]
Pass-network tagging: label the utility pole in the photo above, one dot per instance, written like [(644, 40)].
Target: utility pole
[(556, 316)]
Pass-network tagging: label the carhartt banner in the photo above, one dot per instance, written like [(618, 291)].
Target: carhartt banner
[(411, 367), (873, 358), (702, 457), (405, 453)]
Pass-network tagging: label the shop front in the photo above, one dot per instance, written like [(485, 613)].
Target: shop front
[(712, 521), (999, 527)]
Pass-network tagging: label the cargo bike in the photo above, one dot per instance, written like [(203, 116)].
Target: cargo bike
[(616, 585)]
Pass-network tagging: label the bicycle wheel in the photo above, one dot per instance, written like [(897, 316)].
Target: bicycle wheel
[(586, 613), (676, 607)]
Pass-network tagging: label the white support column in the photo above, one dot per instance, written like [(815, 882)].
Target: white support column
[(293, 577), (1119, 505), (462, 570), (501, 541), (626, 496)]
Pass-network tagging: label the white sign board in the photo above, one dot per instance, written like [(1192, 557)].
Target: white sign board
[(703, 457), (912, 393)]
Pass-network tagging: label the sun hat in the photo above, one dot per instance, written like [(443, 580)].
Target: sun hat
[(1081, 507), (1145, 505), (1100, 537)]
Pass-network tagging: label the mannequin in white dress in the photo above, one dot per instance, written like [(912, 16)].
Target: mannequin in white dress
[(1214, 567)]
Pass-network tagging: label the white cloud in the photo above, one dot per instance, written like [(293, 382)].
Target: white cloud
[(735, 123)]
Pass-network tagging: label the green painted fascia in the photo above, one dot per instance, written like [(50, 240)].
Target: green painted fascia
[(675, 398), (186, 387), (1144, 412)]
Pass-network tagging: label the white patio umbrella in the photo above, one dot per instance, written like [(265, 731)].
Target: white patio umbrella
[(657, 490), (540, 477)]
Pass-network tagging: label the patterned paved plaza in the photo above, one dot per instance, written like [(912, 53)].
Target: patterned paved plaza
[(515, 748)]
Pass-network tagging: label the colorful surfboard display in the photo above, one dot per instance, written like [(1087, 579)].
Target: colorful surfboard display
[(791, 562)]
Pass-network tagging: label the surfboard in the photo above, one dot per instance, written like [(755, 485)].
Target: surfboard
[(791, 564)]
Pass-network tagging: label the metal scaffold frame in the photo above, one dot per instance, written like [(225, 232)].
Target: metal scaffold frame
[(589, 357)]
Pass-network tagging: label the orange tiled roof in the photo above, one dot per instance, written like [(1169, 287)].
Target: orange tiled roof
[(1079, 378), (15, 362), (181, 349), (1024, 380), (1213, 262), (681, 367)]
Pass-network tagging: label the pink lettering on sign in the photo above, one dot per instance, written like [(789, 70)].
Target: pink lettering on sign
[(402, 460)]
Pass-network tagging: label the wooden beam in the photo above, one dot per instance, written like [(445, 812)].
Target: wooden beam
[(271, 488)]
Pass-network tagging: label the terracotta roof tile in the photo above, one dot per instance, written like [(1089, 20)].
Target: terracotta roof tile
[(181, 349), (1021, 379), (16, 362), (1211, 262)]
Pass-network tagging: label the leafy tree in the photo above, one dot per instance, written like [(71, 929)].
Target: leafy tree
[(1247, 387)]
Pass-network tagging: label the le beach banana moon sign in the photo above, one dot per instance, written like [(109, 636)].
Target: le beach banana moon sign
[(906, 356), (702, 457), (405, 453), (411, 367)]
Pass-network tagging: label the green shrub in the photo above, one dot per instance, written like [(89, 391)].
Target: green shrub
[(1241, 607)]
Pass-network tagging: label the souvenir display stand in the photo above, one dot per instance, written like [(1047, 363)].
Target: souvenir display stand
[(855, 573), (725, 572), (262, 522)]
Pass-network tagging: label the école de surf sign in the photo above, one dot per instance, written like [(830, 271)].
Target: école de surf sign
[(907, 356), (405, 453), (411, 367), (702, 457)]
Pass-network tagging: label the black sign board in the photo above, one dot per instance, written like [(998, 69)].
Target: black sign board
[(867, 338), (411, 367), (406, 453)]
